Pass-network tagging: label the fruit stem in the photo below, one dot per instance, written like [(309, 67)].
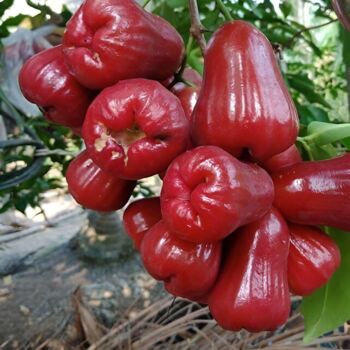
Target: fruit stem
[(340, 11), (224, 10), (197, 28)]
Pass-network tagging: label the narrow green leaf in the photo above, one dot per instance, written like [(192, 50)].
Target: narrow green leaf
[(324, 133), (329, 307), (305, 86)]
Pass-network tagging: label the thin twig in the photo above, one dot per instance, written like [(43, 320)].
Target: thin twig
[(224, 10), (54, 152), (146, 3), (197, 29), (307, 29)]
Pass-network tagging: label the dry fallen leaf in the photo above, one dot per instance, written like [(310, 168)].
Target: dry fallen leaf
[(91, 328)]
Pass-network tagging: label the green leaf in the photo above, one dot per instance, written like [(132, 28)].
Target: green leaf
[(10, 22), (305, 86), (256, 10), (325, 133), (281, 33), (21, 204), (286, 8), (323, 152), (176, 3), (346, 142), (309, 113), (320, 12), (329, 307), (66, 14), (14, 21), (4, 5)]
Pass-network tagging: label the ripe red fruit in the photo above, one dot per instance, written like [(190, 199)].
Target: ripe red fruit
[(282, 160), (111, 40), (45, 80), (252, 288), (315, 193), (207, 194), (188, 269), (95, 189), (313, 258), (135, 128), (244, 103), (139, 217)]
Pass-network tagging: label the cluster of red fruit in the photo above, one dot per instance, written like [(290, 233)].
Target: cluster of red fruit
[(230, 227)]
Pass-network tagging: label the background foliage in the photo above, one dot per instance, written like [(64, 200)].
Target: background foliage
[(315, 61)]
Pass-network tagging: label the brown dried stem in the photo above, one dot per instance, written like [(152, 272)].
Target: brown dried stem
[(340, 10)]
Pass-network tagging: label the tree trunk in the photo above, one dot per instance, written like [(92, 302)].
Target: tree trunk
[(103, 239)]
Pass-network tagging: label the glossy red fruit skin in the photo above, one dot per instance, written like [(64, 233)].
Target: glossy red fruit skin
[(315, 193), (111, 40), (282, 160), (313, 258), (94, 188), (139, 217), (135, 129), (45, 80), (188, 270), (207, 194), (188, 97), (244, 103), (251, 291), (192, 76)]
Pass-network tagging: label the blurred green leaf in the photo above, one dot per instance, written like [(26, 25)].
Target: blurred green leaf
[(66, 14), (346, 142), (14, 21), (326, 133), (305, 86), (176, 3), (286, 8), (309, 113), (4, 5)]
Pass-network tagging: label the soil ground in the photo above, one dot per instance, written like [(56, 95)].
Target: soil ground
[(39, 300), (36, 293)]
